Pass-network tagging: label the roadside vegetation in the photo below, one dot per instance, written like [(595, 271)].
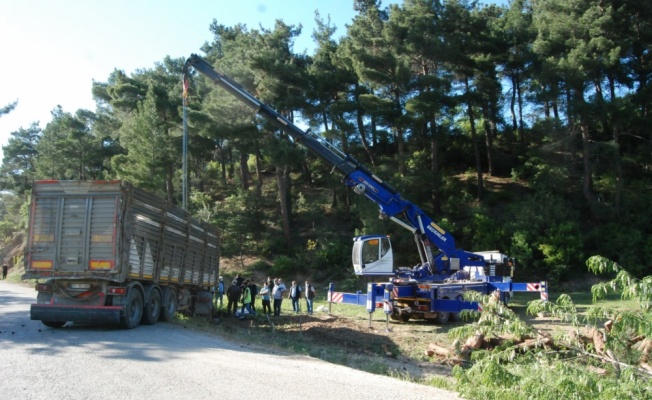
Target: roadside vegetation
[(591, 343)]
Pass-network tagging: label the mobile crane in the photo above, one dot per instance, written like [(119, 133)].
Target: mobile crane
[(431, 290)]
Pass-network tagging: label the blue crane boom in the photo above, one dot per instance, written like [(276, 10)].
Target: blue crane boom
[(362, 181), (434, 289)]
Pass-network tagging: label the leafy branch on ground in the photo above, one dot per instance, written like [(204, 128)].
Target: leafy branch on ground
[(603, 353)]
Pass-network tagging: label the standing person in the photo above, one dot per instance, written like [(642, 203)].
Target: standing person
[(254, 291), (219, 292), (239, 280), (233, 296), (246, 299), (277, 293), (5, 268), (310, 297), (270, 283), (295, 295), (265, 295)]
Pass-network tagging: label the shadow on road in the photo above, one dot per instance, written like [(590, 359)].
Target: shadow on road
[(144, 343)]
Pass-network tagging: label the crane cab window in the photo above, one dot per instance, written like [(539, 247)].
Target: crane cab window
[(374, 249)]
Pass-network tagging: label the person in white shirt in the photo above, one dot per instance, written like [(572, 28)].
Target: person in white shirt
[(277, 293), (295, 295)]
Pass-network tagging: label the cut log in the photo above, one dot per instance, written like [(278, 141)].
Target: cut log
[(598, 340), (438, 350), (474, 342), (646, 367), (532, 343)]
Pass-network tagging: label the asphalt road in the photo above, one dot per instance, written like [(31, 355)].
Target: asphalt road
[(165, 361)]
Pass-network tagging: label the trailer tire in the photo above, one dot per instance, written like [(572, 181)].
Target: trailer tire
[(152, 310), (169, 305), (54, 324), (133, 309), (442, 318)]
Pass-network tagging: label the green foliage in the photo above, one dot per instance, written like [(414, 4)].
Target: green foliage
[(240, 218), (285, 266), (323, 260), (568, 369), (414, 91), (14, 214), (546, 237)]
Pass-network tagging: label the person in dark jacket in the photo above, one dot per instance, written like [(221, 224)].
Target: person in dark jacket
[(309, 292), (233, 296), (239, 280), (5, 268), (254, 291)]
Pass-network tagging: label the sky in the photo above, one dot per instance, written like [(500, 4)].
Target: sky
[(53, 50)]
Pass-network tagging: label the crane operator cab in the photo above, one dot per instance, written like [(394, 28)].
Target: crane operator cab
[(372, 256)]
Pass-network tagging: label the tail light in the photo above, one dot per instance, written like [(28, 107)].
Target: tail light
[(118, 291), (43, 287)]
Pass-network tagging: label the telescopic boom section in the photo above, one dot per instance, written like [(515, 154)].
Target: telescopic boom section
[(356, 175)]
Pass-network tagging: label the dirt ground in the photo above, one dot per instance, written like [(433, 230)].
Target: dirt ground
[(400, 350), (398, 347)]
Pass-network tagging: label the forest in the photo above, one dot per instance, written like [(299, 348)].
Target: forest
[(523, 128)]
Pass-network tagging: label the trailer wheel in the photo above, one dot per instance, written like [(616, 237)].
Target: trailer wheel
[(442, 317), (152, 310), (396, 316), (133, 309), (169, 306), (54, 324)]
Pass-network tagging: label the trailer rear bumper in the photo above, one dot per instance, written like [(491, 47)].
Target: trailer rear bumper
[(59, 313)]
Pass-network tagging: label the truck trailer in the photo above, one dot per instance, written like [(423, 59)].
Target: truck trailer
[(108, 252)]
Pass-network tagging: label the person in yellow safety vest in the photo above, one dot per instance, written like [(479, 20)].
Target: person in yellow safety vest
[(246, 300)]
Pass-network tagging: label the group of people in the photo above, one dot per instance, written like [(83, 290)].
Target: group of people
[(244, 291)]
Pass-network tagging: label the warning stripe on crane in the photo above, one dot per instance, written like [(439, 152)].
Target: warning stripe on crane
[(335, 297), (395, 292), (544, 291), (533, 287), (540, 287)]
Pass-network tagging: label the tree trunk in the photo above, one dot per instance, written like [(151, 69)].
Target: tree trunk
[(587, 180), (618, 195), (259, 172), (488, 138), (401, 151), (521, 125), (244, 170), (363, 135), (434, 168), (229, 162), (474, 138), (283, 181), (218, 154), (512, 104)]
